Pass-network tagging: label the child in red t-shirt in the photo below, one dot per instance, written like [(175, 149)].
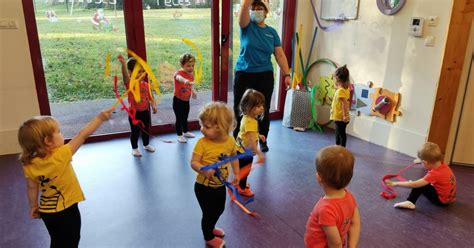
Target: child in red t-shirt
[(438, 185), (141, 108), (335, 215), (183, 91)]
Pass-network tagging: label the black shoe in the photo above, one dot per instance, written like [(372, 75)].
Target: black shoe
[(263, 147)]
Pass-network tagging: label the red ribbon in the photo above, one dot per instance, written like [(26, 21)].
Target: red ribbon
[(389, 192)]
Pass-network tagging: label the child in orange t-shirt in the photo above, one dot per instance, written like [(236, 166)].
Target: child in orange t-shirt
[(335, 215), (438, 185), (183, 91)]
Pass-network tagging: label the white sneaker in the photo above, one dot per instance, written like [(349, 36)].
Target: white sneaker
[(405, 204), (189, 135), (182, 139), (136, 153), (417, 161), (150, 148)]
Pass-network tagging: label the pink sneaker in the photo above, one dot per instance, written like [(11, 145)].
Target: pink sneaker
[(218, 232), (246, 192), (216, 242)]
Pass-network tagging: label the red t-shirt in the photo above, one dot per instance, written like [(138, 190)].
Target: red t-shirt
[(329, 212), (181, 89), (444, 182), (145, 97)]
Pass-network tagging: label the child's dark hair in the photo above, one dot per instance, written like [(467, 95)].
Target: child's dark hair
[(335, 165), (251, 99), (131, 63), (185, 58), (342, 76), (430, 152)]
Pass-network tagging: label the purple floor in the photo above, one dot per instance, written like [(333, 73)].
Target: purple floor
[(150, 202)]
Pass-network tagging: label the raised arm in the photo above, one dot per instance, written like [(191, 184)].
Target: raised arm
[(125, 76), (244, 16), (354, 230), (89, 129), (283, 63)]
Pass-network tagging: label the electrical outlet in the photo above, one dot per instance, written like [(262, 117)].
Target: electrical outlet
[(432, 21)]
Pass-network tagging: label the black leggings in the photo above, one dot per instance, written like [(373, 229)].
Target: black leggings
[(212, 203), (143, 116), (242, 163), (64, 227), (341, 136), (429, 191), (181, 111), (262, 82)]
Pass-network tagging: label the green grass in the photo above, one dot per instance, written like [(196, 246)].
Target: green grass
[(74, 53)]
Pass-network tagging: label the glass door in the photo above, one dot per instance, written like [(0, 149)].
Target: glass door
[(76, 39), (230, 51), (168, 24)]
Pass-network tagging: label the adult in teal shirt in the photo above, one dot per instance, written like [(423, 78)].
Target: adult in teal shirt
[(254, 68)]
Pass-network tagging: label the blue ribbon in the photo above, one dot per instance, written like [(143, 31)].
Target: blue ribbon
[(215, 166)]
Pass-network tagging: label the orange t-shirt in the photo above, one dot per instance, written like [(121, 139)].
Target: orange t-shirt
[(444, 182), (329, 212), (145, 97), (181, 89)]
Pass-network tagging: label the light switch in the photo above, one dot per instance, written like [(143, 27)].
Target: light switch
[(12, 24), (3, 24)]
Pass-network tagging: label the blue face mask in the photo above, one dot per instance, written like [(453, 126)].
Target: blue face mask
[(257, 16)]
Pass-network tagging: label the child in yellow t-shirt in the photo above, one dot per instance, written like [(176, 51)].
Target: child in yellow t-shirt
[(217, 121), (47, 167), (340, 104), (251, 106)]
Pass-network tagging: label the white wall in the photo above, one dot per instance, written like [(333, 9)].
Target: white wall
[(377, 48), (18, 100)]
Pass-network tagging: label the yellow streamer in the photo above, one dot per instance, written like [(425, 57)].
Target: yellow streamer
[(152, 81), (198, 68), (107, 66), (296, 75)]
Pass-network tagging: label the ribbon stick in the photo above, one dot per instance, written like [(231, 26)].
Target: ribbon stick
[(389, 192), (233, 191), (151, 76), (325, 28), (198, 70), (131, 112)]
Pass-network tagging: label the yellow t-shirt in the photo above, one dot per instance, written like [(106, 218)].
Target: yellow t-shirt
[(57, 180), (212, 152), (247, 124), (340, 95)]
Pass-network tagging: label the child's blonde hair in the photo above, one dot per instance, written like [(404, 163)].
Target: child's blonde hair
[(32, 136), (185, 58), (430, 152), (335, 165), (217, 113), (250, 100)]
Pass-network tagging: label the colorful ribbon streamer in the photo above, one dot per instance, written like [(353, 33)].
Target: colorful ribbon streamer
[(389, 192), (107, 66), (198, 70), (233, 191)]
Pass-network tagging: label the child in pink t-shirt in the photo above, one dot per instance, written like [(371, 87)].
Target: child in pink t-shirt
[(183, 91), (335, 215), (438, 185)]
